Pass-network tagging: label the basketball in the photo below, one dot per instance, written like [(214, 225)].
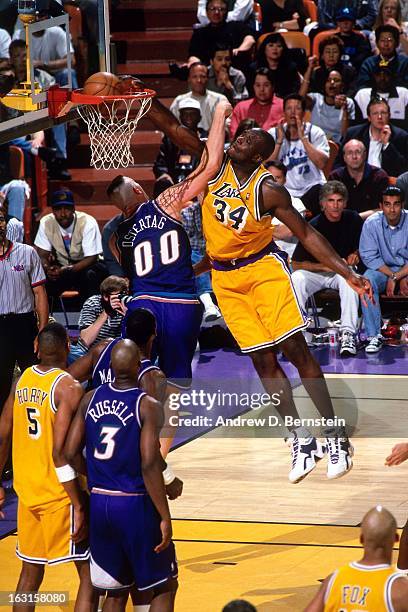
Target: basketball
[(102, 84)]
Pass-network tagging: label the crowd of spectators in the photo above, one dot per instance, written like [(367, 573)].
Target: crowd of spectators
[(339, 115)]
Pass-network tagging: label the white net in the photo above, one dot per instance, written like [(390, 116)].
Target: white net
[(111, 126)]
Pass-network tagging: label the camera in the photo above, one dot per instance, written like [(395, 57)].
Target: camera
[(184, 166)]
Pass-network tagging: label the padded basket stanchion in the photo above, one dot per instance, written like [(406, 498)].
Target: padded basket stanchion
[(112, 121)]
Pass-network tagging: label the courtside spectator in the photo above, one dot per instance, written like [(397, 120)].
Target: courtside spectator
[(69, 245), (384, 250), (304, 149), (235, 34), (332, 110), (386, 144), (197, 81), (342, 228), (383, 87), (365, 183), (282, 235), (387, 38), (97, 319), (223, 77), (356, 47), (273, 53), (265, 108)]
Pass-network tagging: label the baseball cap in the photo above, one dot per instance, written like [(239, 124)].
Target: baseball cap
[(189, 103), (62, 197), (346, 14)]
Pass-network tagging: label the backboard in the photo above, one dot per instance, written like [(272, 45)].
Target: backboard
[(38, 117)]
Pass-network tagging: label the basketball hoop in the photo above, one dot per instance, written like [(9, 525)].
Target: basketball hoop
[(111, 122)]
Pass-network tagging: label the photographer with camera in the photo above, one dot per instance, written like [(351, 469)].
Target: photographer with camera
[(98, 319), (172, 164)]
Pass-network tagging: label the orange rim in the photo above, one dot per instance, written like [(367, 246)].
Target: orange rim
[(80, 98)]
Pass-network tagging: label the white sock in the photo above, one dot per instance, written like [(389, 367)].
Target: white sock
[(143, 608), (206, 300)]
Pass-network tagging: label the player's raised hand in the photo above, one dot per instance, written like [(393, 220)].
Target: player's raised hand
[(167, 532), (225, 106), (81, 525), (399, 454), (174, 489), (2, 500), (362, 286)]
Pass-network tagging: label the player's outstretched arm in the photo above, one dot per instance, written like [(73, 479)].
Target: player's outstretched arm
[(6, 430), (165, 121), (277, 201), (178, 196), (317, 603), (67, 396), (81, 369), (152, 418), (75, 441)]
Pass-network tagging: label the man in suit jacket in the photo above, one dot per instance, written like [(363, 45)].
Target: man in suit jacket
[(387, 145)]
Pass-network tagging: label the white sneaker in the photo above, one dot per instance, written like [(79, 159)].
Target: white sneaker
[(348, 344), (212, 313), (375, 344), (340, 452), (306, 452)]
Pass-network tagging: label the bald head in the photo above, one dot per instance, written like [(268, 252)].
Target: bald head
[(378, 529), (125, 359), (355, 155), (265, 143)]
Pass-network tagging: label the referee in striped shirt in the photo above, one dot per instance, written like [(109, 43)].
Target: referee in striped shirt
[(22, 296)]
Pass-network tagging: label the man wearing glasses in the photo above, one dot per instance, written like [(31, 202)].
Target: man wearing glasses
[(235, 34)]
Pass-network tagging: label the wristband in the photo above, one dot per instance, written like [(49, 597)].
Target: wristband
[(65, 473), (168, 475)]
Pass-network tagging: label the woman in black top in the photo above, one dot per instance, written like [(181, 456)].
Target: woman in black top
[(330, 52), (273, 53), (278, 14)]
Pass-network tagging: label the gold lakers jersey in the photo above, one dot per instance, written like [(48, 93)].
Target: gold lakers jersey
[(232, 223), (356, 587), (35, 480)]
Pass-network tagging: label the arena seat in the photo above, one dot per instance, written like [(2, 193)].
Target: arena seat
[(310, 9), (297, 40)]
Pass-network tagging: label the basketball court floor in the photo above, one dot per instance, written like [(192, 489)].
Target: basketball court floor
[(241, 529)]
